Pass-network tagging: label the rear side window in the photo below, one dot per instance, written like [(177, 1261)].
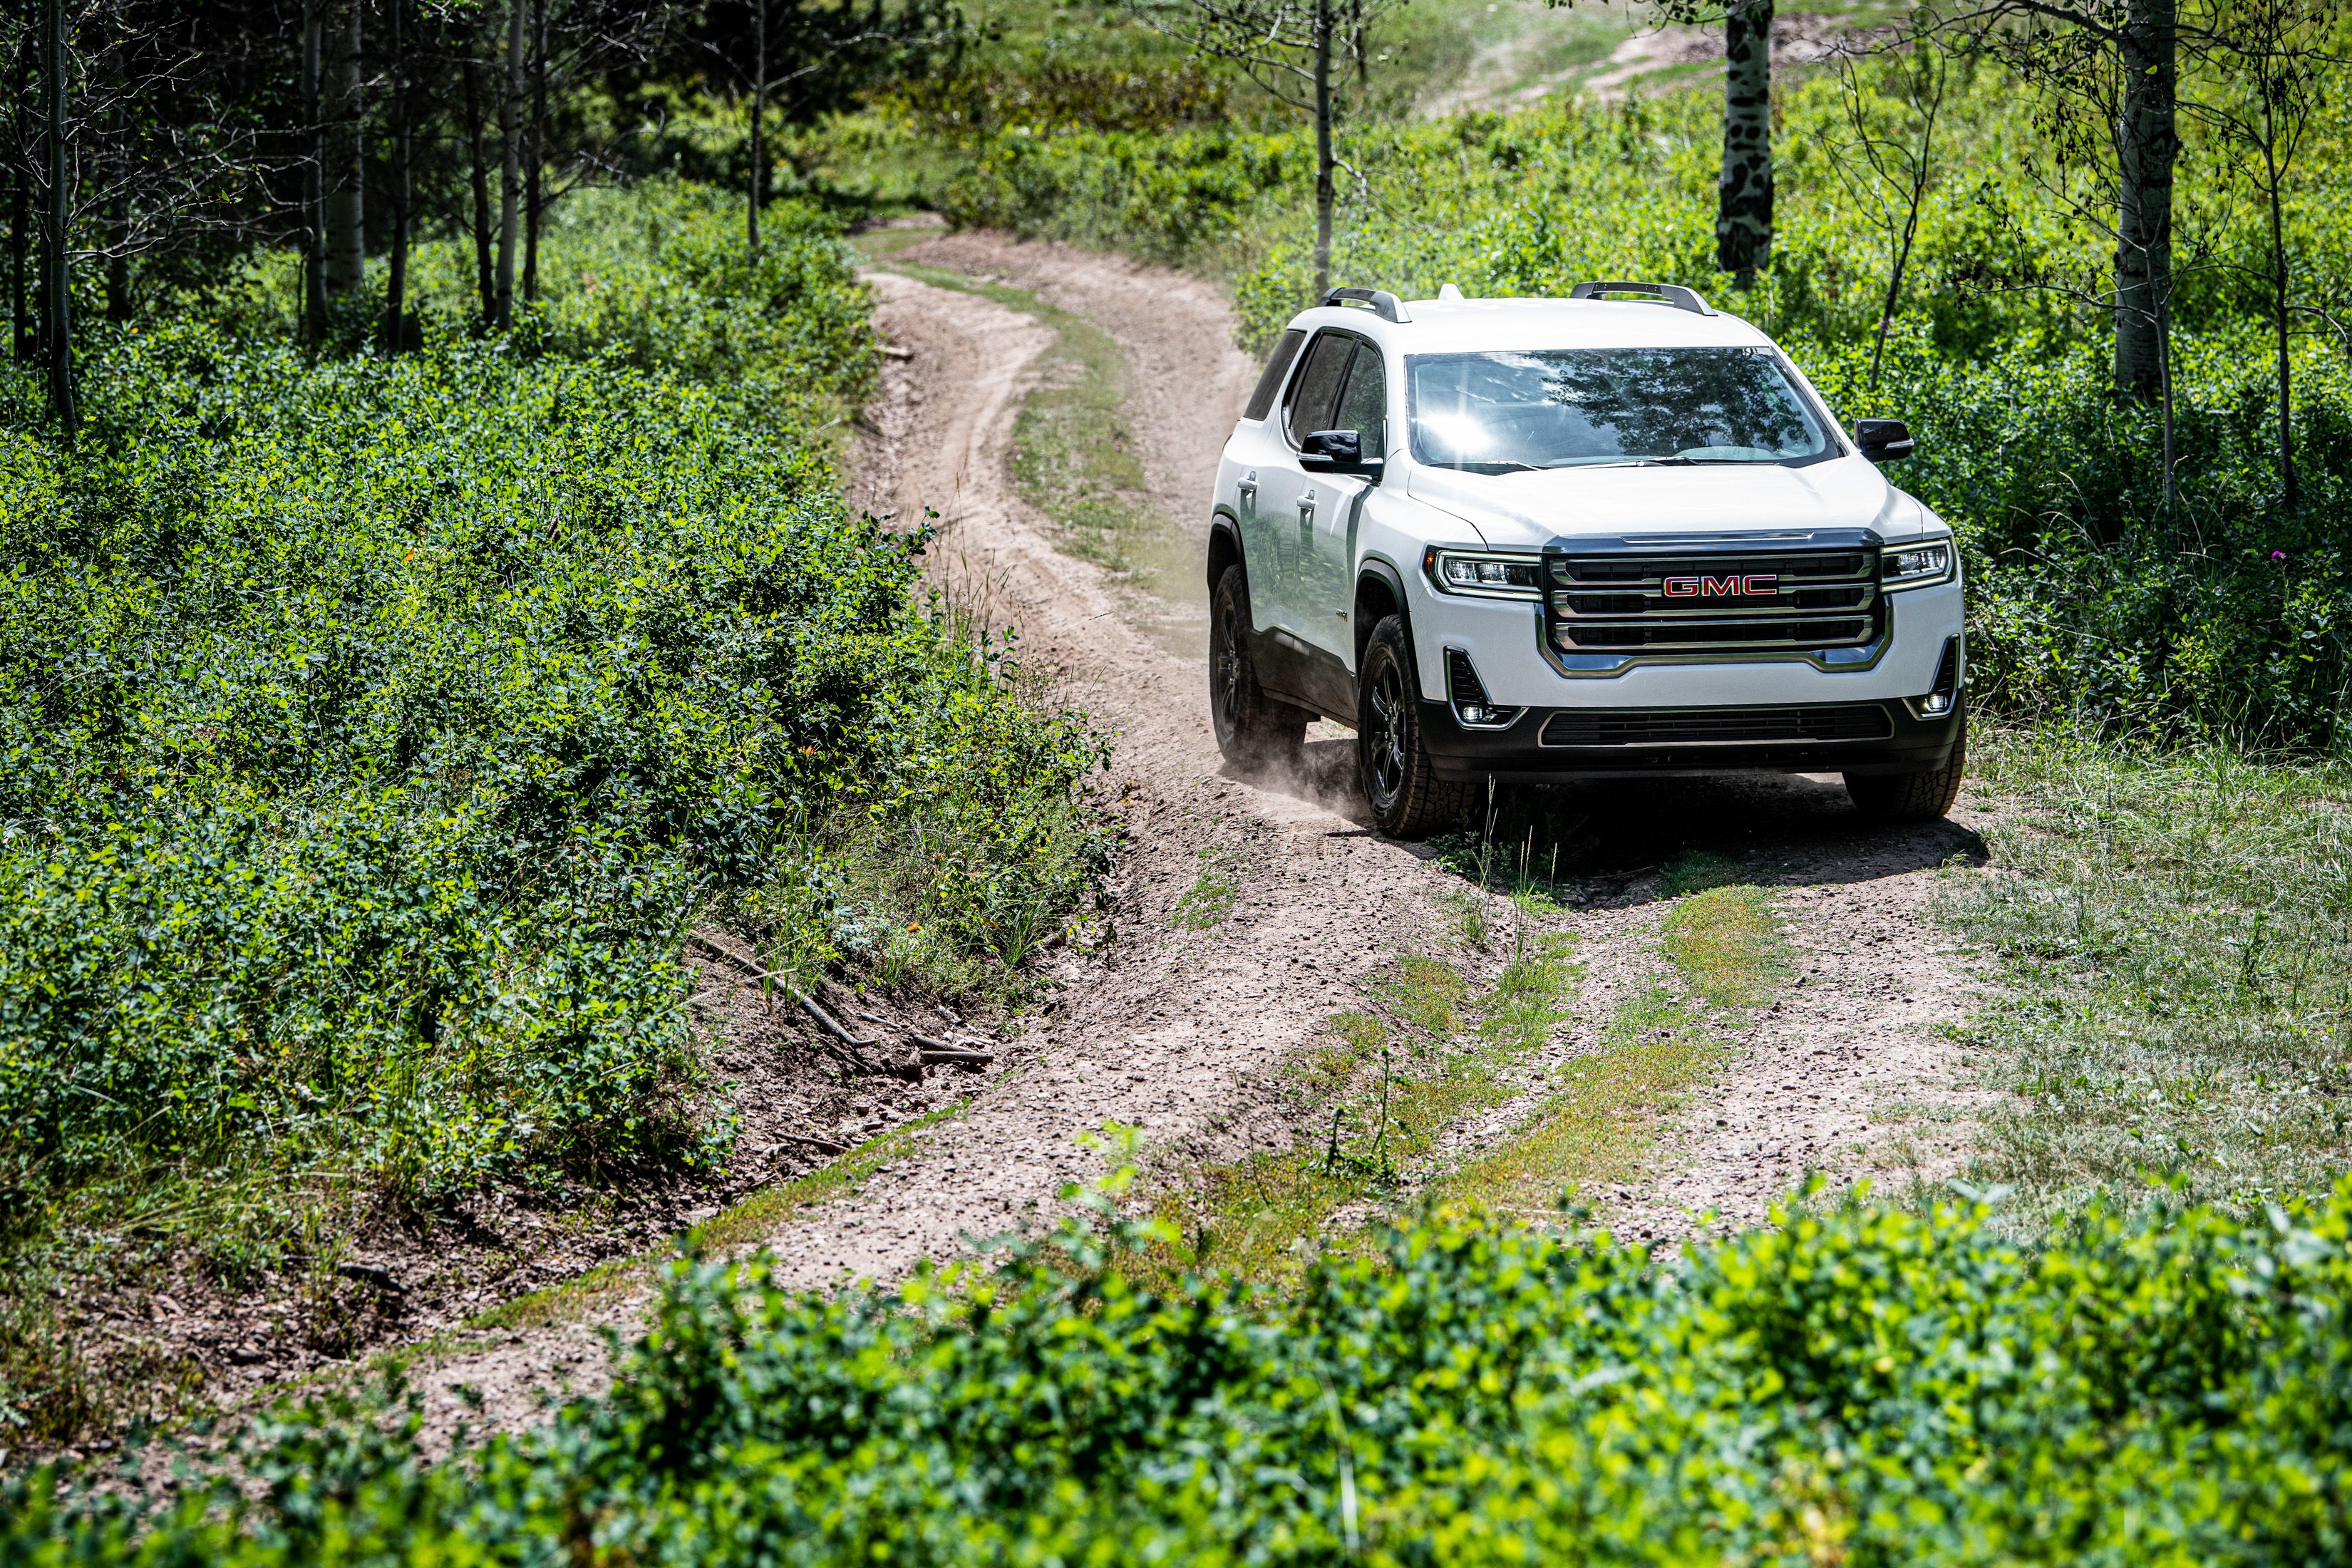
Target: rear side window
[(1276, 363), (1316, 390)]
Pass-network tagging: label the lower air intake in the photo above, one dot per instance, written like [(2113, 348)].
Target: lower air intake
[(1716, 726)]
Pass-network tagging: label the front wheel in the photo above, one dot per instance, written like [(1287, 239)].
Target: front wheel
[(1407, 797), (1253, 729), (1895, 799)]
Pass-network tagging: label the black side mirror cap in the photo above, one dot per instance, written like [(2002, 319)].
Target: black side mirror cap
[(1883, 440), (1337, 452)]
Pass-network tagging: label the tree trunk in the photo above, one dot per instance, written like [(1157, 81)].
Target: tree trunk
[(2147, 143), (19, 304), (314, 172), (485, 280), (2290, 487), (1743, 219), (346, 209), (117, 259), (534, 162), (24, 340), (396, 287), (1324, 186), (56, 281), (759, 193), (511, 172)]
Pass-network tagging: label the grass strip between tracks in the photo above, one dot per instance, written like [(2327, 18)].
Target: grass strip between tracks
[(1727, 957), (1373, 1103)]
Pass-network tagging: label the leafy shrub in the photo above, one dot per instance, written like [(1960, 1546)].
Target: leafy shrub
[(2166, 1385), (370, 730), (2092, 598), (1172, 197)]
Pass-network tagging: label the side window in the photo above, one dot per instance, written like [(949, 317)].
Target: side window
[(1364, 401), (1262, 400), (1316, 390)]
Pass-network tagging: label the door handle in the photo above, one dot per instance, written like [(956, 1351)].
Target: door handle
[(1246, 491), (1306, 509)]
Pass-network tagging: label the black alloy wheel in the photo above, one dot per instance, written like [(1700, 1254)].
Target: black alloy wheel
[(1407, 797), (1253, 730)]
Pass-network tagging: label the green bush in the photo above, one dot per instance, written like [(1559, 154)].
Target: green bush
[(1174, 197), (372, 730), (2166, 1387)]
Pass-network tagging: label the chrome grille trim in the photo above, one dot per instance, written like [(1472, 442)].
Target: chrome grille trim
[(1711, 597)]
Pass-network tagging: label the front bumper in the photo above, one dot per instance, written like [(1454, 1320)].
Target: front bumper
[(1547, 743)]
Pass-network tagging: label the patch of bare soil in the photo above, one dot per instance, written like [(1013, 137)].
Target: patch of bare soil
[(1180, 1031), (1797, 38)]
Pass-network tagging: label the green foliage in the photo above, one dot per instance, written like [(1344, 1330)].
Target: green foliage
[(2222, 614), (1176, 196), (370, 730), (2166, 1387)]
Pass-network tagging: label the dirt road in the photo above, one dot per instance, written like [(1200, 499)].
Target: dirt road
[(1851, 1073), (1179, 1031)]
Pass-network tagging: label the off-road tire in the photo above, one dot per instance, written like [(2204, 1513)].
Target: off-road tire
[(1407, 797), (1253, 730), (1894, 799)]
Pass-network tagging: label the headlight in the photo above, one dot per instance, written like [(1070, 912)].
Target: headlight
[(1479, 572), (1911, 565)]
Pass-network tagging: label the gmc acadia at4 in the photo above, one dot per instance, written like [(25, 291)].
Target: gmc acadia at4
[(1532, 540)]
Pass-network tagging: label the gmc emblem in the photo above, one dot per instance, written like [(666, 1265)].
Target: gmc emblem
[(1734, 588)]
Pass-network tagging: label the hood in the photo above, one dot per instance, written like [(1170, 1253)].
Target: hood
[(1529, 511)]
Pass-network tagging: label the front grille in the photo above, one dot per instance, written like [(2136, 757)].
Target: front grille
[(1704, 598), (1716, 726)]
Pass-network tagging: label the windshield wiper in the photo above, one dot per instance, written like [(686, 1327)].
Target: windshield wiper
[(1679, 461)]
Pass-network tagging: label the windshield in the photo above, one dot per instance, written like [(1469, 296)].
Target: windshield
[(1496, 413)]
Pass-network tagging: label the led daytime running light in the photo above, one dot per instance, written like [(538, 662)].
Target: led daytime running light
[(1909, 565), (1494, 576)]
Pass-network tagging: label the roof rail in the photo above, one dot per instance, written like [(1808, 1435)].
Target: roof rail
[(1673, 294), (1385, 305)]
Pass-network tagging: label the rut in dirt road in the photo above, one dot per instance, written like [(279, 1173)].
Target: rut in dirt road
[(1182, 1033)]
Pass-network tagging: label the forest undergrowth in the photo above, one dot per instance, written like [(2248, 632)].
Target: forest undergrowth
[(375, 728)]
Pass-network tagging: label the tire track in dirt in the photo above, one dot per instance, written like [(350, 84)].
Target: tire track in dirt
[(1179, 1032)]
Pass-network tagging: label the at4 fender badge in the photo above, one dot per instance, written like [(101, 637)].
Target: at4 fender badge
[(1731, 587)]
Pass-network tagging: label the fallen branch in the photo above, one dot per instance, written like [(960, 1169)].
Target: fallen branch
[(827, 1144), (942, 1051), (832, 1025)]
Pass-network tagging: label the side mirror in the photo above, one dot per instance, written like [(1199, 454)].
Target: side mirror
[(1337, 452), (1883, 440)]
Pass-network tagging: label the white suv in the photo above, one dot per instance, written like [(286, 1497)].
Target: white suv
[(1533, 540)]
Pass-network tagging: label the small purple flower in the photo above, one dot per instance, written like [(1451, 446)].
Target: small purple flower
[(2278, 555)]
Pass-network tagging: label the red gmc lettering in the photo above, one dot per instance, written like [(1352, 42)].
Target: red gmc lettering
[(1765, 582)]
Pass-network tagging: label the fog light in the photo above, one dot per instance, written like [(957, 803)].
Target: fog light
[(1936, 704)]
